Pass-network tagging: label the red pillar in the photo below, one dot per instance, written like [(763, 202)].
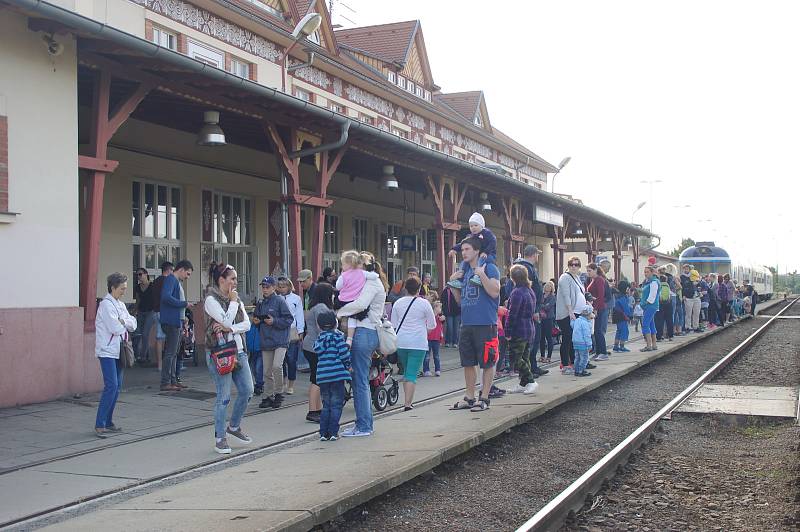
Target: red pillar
[(635, 246)]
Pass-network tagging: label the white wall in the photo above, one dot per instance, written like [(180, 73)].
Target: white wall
[(39, 95)]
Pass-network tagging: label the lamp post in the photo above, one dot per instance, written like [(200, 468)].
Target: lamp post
[(637, 209), (564, 162), (307, 26), (651, 182)]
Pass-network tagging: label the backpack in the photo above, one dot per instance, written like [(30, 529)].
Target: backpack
[(664, 294), (608, 295)]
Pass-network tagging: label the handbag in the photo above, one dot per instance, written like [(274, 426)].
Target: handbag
[(390, 335), (294, 336), (224, 355), (126, 356)]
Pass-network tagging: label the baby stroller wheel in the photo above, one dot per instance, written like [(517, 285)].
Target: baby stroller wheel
[(394, 393), (380, 398)]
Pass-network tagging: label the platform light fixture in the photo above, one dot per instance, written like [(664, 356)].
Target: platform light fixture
[(211, 134), (564, 162), (389, 181)]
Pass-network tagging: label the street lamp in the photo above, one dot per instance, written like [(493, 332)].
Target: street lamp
[(564, 162), (637, 209), (651, 182)]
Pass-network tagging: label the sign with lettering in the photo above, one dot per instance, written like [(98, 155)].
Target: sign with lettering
[(549, 216)]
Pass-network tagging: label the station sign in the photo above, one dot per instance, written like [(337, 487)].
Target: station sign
[(549, 216)]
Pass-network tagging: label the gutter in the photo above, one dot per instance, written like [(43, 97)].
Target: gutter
[(101, 30)]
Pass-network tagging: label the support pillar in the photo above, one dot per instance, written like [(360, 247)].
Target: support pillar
[(592, 239), (635, 248), (446, 211), (513, 220), (324, 175), (559, 236), (616, 241)]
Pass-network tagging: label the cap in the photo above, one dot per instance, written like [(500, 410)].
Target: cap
[(587, 309), (477, 218), (327, 321), (304, 275), (268, 281), (530, 249)]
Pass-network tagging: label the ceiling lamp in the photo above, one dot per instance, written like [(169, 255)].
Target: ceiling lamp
[(389, 181), (211, 134), (485, 205)]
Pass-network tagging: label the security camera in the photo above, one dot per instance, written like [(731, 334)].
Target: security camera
[(54, 47)]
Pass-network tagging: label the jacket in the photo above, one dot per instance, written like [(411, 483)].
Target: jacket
[(650, 293), (312, 329), (333, 357), (488, 244), (623, 305), (569, 296), (533, 277), (276, 335), (108, 331), (227, 316), (582, 333), (548, 307), (171, 302), (598, 289), (296, 308), (372, 298), (521, 307)]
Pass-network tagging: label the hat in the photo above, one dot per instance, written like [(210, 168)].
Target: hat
[(694, 276), (327, 320), (531, 249), (586, 309), (304, 275), (268, 281), (477, 218), (651, 261)]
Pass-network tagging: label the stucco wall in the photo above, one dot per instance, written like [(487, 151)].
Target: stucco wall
[(38, 94)]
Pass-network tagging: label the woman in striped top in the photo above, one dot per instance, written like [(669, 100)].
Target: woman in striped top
[(333, 369)]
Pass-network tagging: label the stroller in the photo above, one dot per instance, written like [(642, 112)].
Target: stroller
[(384, 388)]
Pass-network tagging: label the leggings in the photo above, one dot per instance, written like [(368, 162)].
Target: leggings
[(566, 349), (546, 341)]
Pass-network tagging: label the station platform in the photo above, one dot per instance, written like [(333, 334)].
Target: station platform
[(285, 479)]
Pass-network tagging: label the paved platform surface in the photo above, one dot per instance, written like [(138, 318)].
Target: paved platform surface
[(49, 456), (762, 401)]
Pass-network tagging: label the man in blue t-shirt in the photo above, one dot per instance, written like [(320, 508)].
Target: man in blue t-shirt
[(477, 344)]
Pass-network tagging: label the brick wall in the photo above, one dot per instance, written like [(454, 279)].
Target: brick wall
[(3, 164)]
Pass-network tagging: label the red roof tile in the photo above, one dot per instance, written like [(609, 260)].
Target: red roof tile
[(388, 42), (464, 103)]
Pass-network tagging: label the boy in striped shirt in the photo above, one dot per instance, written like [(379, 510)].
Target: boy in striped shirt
[(333, 369)]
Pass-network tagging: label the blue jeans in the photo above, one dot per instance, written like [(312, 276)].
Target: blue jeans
[(581, 360), (648, 321), (170, 354), (332, 394), (600, 328), (365, 341), (243, 380), (433, 348), (533, 345), (452, 325), (256, 362), (290, 361), (144, 324), (112, 382)]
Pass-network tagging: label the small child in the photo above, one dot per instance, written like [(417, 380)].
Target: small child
[(582, 339), (349, 285), (747, 304), (622, 315), (435, 337), (333, 369), (477, 227), (638, 314), (503, 363)]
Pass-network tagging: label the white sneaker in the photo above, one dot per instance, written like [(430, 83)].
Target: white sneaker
[(354, 433), (530, 388), (518, 388), (601, 358), (427, 374), (438, 373)]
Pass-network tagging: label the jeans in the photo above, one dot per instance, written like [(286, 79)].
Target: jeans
[(302, 361), (677, 312), (170, 354), (332, 403), (144, 322), (532, 345), (566, 349), (257, 368), (581, 360), (546, 340), (112, 382), (600, 328), (433, 347), (243, 379), (648, 320), (290, 362), (452, 326), (273, 367), (365, 341)]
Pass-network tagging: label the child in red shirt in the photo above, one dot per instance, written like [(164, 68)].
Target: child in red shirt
[(435, 337)]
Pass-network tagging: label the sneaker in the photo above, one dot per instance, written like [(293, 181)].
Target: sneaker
[(438, 373), (313, 417), (594, 357), (333, 437), (569, 370), (624, 350), (541, 371), (602, 358), (584, 374), (495, 392), (267, 402), (475, 280), (355, 433), (517, 388), (590, 366), (616, 349), (324, 438), (277, 401), (455, 284), (408, 408), (239, 435), (222, 447), (530, 388), (427, 374), (114, 428)]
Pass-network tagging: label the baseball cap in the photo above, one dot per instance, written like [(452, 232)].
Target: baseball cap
[(304, 275), (268, 280)]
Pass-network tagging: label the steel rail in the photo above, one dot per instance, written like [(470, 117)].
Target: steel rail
[(572, 499)]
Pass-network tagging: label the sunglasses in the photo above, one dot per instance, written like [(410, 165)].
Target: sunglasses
[(578, 264)]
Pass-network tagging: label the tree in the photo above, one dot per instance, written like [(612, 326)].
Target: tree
[(685, 244)]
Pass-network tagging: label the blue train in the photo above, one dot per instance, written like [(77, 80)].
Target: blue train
[(706, 257)]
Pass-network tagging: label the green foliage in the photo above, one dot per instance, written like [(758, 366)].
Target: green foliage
[(685, 243)]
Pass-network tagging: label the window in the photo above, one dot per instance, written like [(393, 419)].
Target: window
[(401, 82), (156, 219), (366, 119), (431, 145), (428, 253), (330, 242), (303, 94), (337, 108), (428, 95), (394, 265), (240, 68), (410, 86), (420, 91), (360, 235), (166, 39), (392, 77), (399, 132), (478, 121), (205, 54)]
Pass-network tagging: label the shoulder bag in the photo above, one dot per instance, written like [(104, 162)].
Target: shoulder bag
[(126, 356), (387, 336)]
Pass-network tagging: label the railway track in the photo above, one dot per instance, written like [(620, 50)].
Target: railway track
[(555, 513)]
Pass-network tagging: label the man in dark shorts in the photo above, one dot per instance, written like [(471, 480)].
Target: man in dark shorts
[(477, 344)]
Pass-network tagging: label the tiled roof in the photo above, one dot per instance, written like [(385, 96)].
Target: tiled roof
[(388, 42), (508, 141), (464, 103)]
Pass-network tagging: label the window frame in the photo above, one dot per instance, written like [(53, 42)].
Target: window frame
[(299, 92), (172, 243), (163, 32), (235, 61)]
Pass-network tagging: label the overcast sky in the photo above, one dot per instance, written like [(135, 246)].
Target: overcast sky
[(700, 95)]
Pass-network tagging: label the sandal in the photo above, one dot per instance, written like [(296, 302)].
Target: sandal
[(480, 406), (464, 404)]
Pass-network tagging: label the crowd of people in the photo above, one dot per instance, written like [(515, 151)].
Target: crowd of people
[(335, 325)]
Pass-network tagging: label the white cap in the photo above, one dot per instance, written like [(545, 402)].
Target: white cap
[(477, 218), (587, 309)]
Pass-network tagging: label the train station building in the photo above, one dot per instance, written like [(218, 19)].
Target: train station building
[(138, 131)]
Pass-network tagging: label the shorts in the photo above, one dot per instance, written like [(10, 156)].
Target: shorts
[(160, 334), (478, 346)]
